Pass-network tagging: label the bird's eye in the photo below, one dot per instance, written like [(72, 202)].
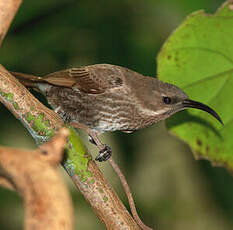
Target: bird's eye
[(167, 100)]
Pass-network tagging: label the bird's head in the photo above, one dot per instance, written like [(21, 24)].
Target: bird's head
[(171, 99)]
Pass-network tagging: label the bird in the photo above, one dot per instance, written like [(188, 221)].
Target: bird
[(106, 97)]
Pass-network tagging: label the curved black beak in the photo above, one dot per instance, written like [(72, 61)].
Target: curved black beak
[(197, 105)]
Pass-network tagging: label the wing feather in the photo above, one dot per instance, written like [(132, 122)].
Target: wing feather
[(93, 79)]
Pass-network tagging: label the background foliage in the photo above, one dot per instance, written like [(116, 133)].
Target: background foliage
[(171, 189)]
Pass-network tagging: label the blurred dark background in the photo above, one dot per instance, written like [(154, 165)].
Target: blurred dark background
[(171, 189)]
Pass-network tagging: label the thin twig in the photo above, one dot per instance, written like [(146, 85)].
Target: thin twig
[(128, 194)]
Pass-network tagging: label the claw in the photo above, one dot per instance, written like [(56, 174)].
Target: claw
[(91, 140), (104, 154)]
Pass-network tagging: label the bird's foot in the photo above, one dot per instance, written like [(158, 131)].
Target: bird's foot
[(105, 151), (104, 154), (63, 115)]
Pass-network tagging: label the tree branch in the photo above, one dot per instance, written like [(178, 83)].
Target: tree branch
[(4, 182), (34, 175), (8, 10)]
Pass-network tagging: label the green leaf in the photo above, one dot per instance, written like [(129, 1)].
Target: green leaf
[(198, 57)]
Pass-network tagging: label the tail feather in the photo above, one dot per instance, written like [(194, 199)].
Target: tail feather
[(27, 79)]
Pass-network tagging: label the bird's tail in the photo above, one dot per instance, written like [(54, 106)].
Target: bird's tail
[(27, 80)]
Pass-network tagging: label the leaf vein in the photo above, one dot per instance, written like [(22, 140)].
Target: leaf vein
[(207, 50), (212, 77)]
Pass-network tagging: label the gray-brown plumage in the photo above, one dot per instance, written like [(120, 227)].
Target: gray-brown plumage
[(106, 97)]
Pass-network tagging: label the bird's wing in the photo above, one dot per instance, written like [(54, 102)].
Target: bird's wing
[(93, 79)]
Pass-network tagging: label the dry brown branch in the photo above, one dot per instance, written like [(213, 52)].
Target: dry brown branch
[(34, 175), (8, 9), (4, 182), (42, 123)]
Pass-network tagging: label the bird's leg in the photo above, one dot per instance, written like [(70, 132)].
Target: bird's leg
[(105, 151), (57, 109), (91, 140), (65, 117)]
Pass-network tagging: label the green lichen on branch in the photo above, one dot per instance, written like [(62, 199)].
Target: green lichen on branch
[(105, 198), (39, 125), (10, 98), (77, 158)]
